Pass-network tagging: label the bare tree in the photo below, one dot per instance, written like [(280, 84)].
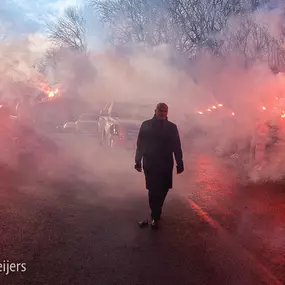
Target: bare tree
[(186, 24), (138, 21), (198, 21), (190, 26), (51, 58), (40, 65), (69, 30), (252, 41)]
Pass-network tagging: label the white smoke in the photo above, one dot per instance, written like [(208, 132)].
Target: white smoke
[(153, 75)]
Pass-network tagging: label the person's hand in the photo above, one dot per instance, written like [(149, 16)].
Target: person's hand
[(138, 167), (180, 169)]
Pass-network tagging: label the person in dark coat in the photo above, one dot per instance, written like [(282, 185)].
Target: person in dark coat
[(157, 141)]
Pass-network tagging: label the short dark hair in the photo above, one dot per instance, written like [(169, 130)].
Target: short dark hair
[(159, 105)]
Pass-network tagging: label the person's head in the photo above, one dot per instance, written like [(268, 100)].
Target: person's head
[(161, 111)]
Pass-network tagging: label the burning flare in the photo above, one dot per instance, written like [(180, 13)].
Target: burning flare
[(51, 93)]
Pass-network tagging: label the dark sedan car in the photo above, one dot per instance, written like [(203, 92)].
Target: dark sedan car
[(87, 123)]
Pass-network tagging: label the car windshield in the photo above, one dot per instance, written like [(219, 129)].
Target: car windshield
[(88, 117), (131, 111)]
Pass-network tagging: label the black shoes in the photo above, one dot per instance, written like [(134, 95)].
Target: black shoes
[(154, 224), (143, 224)]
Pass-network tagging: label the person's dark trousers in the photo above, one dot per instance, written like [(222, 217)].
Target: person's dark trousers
[(156, 198)]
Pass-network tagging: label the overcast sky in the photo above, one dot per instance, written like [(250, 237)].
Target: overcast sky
[(28, 16)]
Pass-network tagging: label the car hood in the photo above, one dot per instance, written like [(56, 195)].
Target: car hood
[(128, 122), (87, 121)]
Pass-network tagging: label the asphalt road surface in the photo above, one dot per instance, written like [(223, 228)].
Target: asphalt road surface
[(76, 223)]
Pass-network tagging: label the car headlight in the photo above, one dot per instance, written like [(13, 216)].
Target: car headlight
[(114, 130)]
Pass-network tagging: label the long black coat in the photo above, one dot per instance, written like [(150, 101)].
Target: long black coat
[(157, 141)]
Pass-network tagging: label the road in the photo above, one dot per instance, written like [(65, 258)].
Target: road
[(76, 224)]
